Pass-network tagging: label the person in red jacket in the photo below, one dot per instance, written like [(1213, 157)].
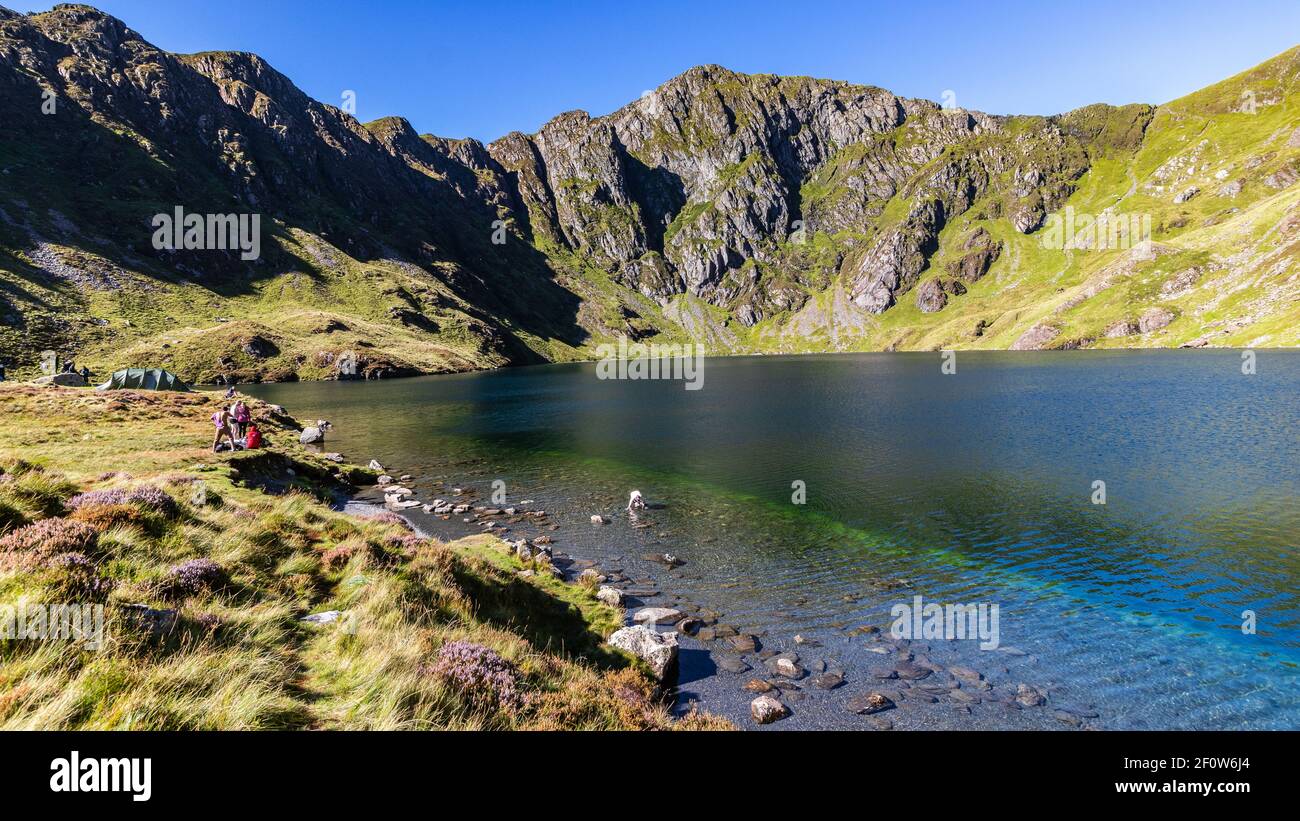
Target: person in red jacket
[(254, 439)]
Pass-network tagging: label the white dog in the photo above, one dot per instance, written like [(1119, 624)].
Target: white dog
[(635, 502)]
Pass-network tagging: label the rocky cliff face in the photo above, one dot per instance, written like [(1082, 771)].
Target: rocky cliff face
[(752, 211), (696, 187)]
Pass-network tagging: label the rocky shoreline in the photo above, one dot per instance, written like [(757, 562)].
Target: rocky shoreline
[(749, 677)]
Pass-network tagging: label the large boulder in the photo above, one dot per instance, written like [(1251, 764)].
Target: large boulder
[(659, 650), (312, 436), (657, 615), (1155, 319), (1120, 328), (63, 380), (1036, 338), (930, 297)]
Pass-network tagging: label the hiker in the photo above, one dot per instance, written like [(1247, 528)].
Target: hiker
[(85, 374), (230, 392), (239, 413), (69, 367), (254, 440), (2, 371), (221, 419), (635, 501)]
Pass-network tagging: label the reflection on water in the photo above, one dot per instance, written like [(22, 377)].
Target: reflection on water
[(973, 487)]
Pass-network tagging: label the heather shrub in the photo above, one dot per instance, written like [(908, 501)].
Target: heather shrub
[(208, 622), (480, 675), (105, 517), (194, 577), (386, 518), (339, 555), (406, 545), (46, 538), (146, 497), (71, 577)]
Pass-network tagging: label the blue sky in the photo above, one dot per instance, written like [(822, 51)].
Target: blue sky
[(482, 69)]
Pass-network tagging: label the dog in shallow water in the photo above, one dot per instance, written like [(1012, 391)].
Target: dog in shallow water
[(635, 502)]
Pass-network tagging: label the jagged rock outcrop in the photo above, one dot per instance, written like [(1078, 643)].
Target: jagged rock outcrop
[(715, 203)]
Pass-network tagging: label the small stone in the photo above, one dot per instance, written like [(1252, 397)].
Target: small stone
[(786, 667), (869, 703), (911, 672), (757, 685), (1027, 696), (598, 520), (732, 664), (1067, 718), (611, 596), (827, 681), (766, 709), (965, 697), (689, 626), (326, 617), (657, 615), (744, 643)]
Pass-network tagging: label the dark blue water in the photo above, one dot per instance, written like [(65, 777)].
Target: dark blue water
[(974, 487)]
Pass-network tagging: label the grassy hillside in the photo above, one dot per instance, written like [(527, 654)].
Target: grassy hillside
[(1222, 262), (224, 646)]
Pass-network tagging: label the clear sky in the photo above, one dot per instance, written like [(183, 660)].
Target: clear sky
[(482, 69)]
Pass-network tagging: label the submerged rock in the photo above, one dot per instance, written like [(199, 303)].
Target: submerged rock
[(869, 703), (733, 664), (827, 681), (1028, 696)]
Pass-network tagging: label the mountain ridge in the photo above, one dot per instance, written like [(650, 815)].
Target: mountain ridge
[(748, 212)]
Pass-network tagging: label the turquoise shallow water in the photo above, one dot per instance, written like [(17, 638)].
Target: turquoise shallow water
[(973, 487)]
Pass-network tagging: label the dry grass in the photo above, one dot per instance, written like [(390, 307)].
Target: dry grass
[(238, 655)]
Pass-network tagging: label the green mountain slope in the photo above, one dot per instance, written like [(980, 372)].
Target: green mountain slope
[(751, 213)]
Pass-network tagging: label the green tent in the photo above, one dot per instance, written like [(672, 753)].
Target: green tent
[(145, 379)]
